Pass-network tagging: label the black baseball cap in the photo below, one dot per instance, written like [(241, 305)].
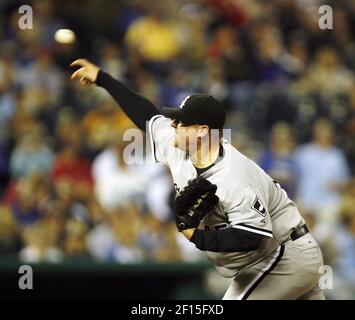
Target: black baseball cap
[(200, 109)]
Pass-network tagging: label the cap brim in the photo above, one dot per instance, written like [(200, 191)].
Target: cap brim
[(172, 113), (177, 114)]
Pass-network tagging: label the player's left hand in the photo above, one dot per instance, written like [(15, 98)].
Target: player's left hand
[(193, 202)]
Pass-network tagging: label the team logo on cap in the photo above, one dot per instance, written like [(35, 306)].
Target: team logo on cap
[(183, 103)]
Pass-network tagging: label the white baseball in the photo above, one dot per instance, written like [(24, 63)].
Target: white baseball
[(64, 36)]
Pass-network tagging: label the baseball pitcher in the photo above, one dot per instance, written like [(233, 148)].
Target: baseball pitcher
[(225, 204)]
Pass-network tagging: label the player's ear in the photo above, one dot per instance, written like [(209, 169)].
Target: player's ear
[(203, 131)]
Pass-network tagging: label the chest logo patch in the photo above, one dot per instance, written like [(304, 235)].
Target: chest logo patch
[(258, 207)]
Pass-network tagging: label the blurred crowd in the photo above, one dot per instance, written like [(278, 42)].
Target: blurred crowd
[(288, 86)]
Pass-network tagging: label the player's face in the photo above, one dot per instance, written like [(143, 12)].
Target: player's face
[(186, 136)]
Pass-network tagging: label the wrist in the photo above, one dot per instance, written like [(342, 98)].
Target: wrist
[(101, 77), (188, 233)]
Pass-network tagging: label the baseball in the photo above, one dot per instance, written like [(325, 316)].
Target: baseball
[(64, 36)]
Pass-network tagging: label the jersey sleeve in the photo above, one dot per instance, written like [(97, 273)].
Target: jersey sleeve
[(161, 136), (250, 213)]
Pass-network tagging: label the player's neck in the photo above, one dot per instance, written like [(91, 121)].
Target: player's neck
[(205, 156)]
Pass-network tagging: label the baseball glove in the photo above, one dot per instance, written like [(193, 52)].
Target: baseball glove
[(193, 202)]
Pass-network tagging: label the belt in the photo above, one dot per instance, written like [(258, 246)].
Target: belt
[(299, 232)]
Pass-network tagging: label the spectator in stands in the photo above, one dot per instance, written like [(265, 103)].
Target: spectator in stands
[(28, 198), (323, 170), (155, 38), (269, 55), (31, 154), (7, 83), (174, 91), (71, 166), (110, 59), (75, 238), (100, 123), (118, 183), (346, 247), (9, 233), (277, 161), (343, 242), (326, 66), (39, 245), (349, 130), (117, 238), (41, 82)]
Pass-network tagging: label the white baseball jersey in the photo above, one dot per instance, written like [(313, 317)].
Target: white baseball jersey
[(249, 198)]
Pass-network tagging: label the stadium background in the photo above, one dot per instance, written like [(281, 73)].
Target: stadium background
[(89, 225)]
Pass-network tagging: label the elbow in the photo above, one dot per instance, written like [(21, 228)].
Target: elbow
[(255, 243)]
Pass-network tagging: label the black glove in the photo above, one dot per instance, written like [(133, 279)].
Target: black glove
[(193, 202)]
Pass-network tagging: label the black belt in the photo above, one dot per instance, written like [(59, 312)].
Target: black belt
[(299, 232)]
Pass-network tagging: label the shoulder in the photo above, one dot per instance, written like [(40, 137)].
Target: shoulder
[(160, 121)]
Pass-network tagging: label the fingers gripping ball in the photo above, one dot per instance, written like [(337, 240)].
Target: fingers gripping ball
[(193, 202)]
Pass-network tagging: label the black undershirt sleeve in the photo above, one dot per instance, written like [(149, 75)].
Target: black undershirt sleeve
[(229, 239), (137, 108)]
